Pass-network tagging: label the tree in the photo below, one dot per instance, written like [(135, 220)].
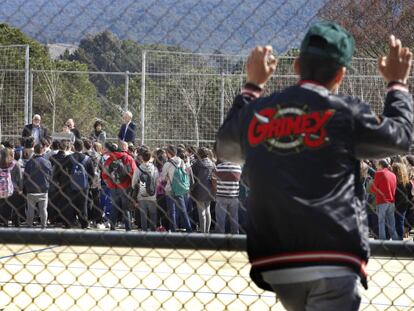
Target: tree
[(372, 21)]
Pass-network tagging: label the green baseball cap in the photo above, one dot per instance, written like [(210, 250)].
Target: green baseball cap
[(329, 40)]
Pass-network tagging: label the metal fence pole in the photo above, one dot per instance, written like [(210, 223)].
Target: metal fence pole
[(31, 93), (222, 99), (144, 54), (26, 86), (126, 90)]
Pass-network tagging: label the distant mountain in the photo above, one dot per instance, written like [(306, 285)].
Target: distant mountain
[(231, 26)]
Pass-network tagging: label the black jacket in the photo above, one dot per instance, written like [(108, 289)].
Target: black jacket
[(130, 134), (62, 169), (301, 149), (37, 175), (202, 189), (27, 131)]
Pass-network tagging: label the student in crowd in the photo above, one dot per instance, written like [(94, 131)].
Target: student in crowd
[(403, 197), (175, 199), (117, 174), (95, 213), (202, 190), (384, 188), (36, 178), (226, 180), (145, 179), (11, 187)]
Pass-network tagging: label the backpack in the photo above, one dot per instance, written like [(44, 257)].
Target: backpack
[(149, 181), (96, 158), (180, 183), (78, 174), (118, 171), (6, 184)]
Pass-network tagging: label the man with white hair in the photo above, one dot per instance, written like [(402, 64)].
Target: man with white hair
[(128, 128), (35, 129), (71, 125)]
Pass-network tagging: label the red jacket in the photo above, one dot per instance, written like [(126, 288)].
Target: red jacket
[(385, 184), (128, 160)]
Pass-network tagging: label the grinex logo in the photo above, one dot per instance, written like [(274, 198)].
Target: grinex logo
[(288, 130)]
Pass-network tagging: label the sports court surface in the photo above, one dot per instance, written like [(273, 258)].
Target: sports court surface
[(35, 277)]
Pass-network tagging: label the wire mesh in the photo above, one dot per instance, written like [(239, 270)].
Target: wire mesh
[(13, 83), (176, 65)]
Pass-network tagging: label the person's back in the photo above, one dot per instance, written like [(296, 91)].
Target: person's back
[(385, 184), (36, 181), (306, 222)]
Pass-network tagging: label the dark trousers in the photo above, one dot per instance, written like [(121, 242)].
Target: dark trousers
[(77, 202), (120, 204), (95, 212), (12, 208)]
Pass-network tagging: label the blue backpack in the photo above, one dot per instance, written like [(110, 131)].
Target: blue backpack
[(78, 175)]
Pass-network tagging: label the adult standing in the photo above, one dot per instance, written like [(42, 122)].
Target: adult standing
[(98, 134), (128, 129), (35, 129), (302, 149), (71, 125)]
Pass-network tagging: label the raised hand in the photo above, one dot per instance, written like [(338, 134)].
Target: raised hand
[(397, 65), (261, 64)]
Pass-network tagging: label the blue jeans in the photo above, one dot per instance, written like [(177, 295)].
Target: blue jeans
[(120, 202), (386, 218), (106, 203), (399, 223), (227, 207), (174, 204)]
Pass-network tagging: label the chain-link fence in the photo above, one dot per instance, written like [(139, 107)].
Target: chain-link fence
[(177, 98), (76, 270), (176, 66)]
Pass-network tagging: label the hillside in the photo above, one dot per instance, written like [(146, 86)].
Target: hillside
[(230, 26)]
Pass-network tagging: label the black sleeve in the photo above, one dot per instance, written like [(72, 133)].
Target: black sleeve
[(388, 134), (229, 143), (26, 132)]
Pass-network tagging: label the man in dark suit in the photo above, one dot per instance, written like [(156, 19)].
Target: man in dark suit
[(128, 129), (35, 129)]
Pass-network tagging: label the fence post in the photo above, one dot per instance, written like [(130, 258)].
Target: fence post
[(126, 90), (30, 93), (144, 54), (222, 99), (26, 86)]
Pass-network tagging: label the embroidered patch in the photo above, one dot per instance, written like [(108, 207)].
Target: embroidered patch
[(289, 129)]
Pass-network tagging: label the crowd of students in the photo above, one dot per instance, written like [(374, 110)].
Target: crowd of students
[(90, 184), (389, 193)]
